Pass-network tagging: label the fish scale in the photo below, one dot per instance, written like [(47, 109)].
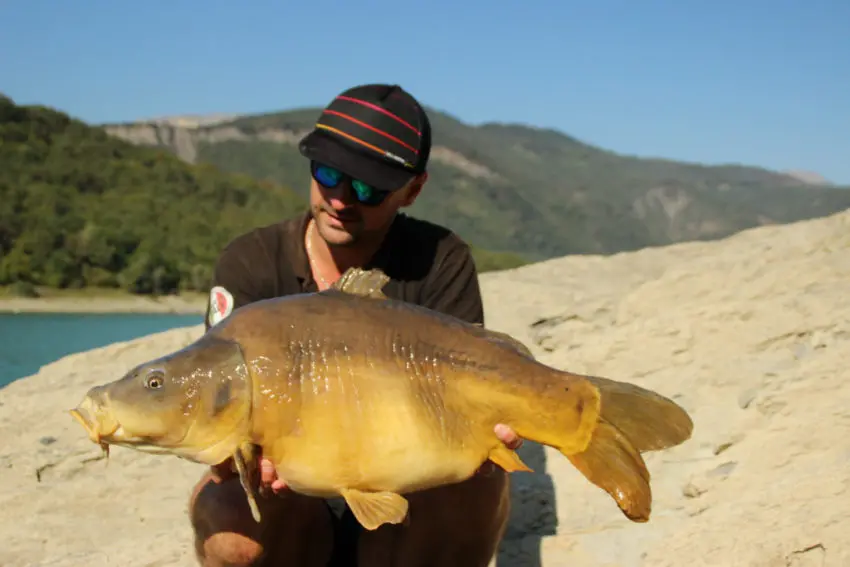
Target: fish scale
[(424, 374)]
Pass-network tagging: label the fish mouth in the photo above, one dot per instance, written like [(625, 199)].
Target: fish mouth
[(90, 416), (104, 430)]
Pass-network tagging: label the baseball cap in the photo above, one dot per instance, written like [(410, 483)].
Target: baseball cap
[(377, 133)]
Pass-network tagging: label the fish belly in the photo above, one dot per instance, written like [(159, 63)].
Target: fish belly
[(387, 442)]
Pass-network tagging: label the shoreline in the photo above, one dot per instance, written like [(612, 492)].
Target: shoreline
[(173, 305)]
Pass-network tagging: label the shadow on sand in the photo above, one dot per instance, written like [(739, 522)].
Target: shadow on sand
[(534, 513)]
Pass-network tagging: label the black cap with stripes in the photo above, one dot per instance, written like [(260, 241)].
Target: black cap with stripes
[(377, 133)]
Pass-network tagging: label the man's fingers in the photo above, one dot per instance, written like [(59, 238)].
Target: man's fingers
[(507, 436), (511, 440), (268, 476), (267, 472)]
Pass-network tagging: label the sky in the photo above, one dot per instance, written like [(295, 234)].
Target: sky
[(757, 82)]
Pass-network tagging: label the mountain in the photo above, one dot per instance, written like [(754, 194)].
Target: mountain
[(79, 208), (531, 191), (809, 177)]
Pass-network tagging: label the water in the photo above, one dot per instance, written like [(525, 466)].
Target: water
[(28, 341)]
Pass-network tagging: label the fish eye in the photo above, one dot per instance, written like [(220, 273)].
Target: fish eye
[(154, 380)]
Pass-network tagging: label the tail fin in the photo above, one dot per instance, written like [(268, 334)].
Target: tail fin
[(650, 421), (632, 420), (613, 464)]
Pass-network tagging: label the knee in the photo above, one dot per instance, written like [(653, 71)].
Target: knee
[(228, 549), (225, 532), (222, 502)]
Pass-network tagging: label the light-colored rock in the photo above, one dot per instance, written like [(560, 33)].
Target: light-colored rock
[(183, 135), (751, 334)]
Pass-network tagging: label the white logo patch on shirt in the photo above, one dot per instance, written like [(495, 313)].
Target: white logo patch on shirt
[(221, 304)]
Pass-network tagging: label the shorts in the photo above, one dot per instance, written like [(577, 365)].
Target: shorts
[(346, 531)]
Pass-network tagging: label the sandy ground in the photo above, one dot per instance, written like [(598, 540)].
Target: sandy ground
[(751, 334)]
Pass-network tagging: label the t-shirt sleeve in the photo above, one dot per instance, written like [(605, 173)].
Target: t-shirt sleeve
[(234, 283), (454, 288)]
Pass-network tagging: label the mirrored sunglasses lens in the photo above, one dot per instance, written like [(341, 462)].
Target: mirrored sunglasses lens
[(327, 176), (367, 194)]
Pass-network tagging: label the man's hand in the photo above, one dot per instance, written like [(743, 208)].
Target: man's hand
[(268, 476), (225, 471), (511, 440)]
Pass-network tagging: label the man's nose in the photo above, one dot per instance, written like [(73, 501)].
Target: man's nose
[(341, 196)]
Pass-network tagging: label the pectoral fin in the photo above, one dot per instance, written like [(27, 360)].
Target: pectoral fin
[(245, 477), (508, 459), (373, 509), (613, 464), (366, 283)]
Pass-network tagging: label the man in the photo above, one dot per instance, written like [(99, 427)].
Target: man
[(368, 156)]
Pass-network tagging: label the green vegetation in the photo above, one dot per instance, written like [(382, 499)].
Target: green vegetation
[(539, 193), (79, 208)]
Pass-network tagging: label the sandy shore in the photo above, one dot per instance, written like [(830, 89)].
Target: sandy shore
[(751, 334), (107, 304)]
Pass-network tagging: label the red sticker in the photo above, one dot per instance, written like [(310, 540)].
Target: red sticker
[(221, 304)]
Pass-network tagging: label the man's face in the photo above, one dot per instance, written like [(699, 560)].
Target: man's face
[(343, 221)]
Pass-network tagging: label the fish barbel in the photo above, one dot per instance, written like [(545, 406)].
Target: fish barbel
[(352, 394)]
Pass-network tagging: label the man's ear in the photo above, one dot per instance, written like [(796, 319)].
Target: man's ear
[(413, 190)]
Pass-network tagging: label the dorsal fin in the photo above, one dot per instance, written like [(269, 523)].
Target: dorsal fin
[(369, 283), (365, 283)]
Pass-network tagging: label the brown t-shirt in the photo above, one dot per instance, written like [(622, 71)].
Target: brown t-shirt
[(427, 265)]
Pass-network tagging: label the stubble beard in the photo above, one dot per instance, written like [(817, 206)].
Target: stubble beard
[(351, 237), (333, 236)]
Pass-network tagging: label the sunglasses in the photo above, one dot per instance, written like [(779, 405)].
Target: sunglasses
[(329, 177)]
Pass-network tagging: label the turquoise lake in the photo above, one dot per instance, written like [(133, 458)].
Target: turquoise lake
[(28, 341)]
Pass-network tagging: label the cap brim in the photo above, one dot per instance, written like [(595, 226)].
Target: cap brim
[(321, 147)]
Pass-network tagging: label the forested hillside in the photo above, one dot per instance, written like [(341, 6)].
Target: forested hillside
[(80, 208)]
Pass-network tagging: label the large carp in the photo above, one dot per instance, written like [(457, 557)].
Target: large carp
[(355, 395)]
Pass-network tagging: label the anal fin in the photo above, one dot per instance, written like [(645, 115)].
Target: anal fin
[(246, 475), (613, 464), (373, 509), (508, 460)]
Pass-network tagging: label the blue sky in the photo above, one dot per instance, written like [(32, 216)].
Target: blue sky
[(757, 82)]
